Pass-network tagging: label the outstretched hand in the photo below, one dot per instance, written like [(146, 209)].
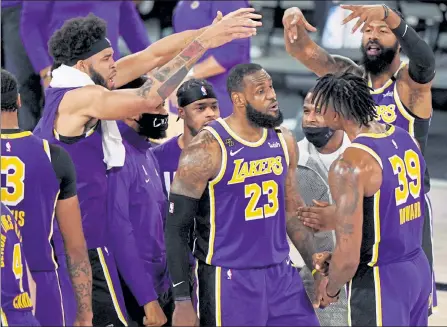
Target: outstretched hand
[(293, 17), (239, 24), (366, 14)]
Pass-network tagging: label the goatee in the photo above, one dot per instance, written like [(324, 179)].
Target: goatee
[(260, 119)]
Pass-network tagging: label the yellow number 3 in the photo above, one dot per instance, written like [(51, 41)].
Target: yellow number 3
[(14, 180), (410, 166), (253, 192)]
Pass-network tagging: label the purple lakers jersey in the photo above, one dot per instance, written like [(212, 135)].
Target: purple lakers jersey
[(394, 215), (15, 290), (87, 155), (390, 110), (168, 155), (241, 221), (29, 187)]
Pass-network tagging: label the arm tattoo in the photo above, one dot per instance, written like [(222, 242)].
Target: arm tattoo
[(81, 278), (197, 165), (300, 235), (145, 88), (345, 188), (174, 72)]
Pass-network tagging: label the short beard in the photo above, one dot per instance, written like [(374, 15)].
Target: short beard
[(380, 63), (96, 77), (193, 131), (260, 119)]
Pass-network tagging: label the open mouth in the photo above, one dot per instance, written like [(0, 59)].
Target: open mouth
[(373, 50), (274, 107)]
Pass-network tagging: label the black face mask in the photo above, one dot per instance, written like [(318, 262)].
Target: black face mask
[(318, 136), (153, 126)]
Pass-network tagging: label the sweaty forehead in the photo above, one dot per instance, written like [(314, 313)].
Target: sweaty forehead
[(258, 78)]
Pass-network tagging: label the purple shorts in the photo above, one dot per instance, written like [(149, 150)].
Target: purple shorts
[(272, 296)]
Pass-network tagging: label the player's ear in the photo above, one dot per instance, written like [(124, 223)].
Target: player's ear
[(19, 101), (181, 113), (82, 66), (238, 98)]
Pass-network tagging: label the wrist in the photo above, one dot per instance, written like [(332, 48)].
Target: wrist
[(204, 40), (331, 292), (393, 20)]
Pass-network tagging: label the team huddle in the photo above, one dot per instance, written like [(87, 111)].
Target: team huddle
[(103, 227)]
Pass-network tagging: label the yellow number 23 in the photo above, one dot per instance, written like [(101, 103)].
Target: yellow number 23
[(254, 192)]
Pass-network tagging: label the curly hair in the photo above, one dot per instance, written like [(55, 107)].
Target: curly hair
[(76, 37), (349, 94), (9, 92)]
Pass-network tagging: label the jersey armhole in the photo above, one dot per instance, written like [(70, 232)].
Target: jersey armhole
[(367, 149), (46, 147), (283, 145), (223, 163)]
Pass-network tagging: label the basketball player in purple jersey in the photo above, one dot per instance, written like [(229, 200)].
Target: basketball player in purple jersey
[(136, 216), (39, 185), (18, 291), (237, 180), (198, 106), (81, 95), (402, 92), (377, 184)]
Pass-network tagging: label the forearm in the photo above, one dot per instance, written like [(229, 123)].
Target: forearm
[(207, 68), (178, 223), (80, 271), (341, 271), (303, 239), (310, 54), (156, 55), (422, 59)]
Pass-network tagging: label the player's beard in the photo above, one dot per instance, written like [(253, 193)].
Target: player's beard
[(97, 78), (379, 63), (260, 119)]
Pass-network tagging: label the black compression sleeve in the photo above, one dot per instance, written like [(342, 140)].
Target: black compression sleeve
[(422, 59), (180, 218), (65, 171)]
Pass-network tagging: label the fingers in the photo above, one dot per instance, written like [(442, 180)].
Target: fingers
[(350, 17), (250, 31), (321, 203), (350, 7), (359, 23), (241, 11), (246, 22), (308, 26)]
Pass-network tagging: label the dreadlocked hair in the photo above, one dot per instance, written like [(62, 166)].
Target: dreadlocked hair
[(349, 94)]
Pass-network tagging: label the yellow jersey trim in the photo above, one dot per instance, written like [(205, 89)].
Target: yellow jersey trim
[(387, 83), (218, 296), (4, 319), (387, 133), (46, 147), (376, 217), (403, 111), (367, 149), (211, 184), (18, 135), (87, 134), (378, 296), (283, 145), (240, 139)]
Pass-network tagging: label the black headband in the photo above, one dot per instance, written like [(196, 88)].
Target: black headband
[(196, 93), (9, 97), (97, 47)]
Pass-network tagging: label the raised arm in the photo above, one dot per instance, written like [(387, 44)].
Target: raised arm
[(300, 46), (301, 236), (112, 105), (347, 189)]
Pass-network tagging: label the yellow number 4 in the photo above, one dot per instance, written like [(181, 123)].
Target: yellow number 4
[(14, 180), (17, 266), (410, 166), (254, 192)]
